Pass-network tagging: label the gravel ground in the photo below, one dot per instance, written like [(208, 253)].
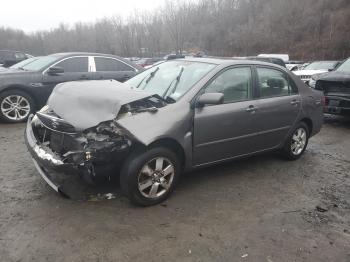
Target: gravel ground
[(258, 209)]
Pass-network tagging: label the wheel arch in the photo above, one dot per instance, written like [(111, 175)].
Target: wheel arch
[(309, 124), (172, 145), (22, 89)]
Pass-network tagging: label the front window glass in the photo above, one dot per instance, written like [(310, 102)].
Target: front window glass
[(320, 66), (171, 79), (234, 83), (273, 83), (74, 65), (40, 63), (344, 67)]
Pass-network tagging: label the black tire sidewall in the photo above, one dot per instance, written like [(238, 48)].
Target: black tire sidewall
[(132, 167), (5, 94), (287, 148)]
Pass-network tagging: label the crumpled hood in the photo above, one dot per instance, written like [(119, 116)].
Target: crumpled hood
[(85, 104), (336, 76), (308, 72)]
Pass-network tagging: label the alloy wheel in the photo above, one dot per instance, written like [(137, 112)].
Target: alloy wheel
[(298, 141), (156, 177), (15, 107)]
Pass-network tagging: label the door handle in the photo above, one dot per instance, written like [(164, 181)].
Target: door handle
[(295, 102), (251, 109)]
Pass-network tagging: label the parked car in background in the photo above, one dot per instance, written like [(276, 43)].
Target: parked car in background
[(284, 57), (316, 67), (9, 57), (294, 65), (20, 64), (273, 60), (336, 88), (225, 109), (26, 88), (173, 56)]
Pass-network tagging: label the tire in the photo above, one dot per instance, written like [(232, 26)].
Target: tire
[(293, 149), (21, 102), (146, 186)]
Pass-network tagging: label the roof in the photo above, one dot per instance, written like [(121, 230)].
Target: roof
[(80, 53), (226, 61)]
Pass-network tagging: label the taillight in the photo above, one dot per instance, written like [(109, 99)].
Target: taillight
[(323, 101)]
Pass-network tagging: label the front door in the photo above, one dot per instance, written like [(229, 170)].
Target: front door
[(75, 68), (223, 131)]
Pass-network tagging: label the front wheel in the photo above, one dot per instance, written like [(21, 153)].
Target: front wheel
[(15, 106), (149, 177), (296, 142)]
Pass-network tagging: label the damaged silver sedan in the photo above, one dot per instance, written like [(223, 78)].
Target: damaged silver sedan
[(169, 119)]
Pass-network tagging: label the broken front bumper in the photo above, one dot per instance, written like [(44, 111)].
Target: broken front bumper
[(49, 165)]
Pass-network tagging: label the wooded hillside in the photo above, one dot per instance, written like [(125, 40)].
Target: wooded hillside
[(306, 29)]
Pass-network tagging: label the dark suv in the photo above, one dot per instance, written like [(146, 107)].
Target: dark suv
[(9, 58), (25, 89), (336, 88)]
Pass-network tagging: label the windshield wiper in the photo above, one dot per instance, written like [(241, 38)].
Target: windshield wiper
[(150, 76), (177, 79)]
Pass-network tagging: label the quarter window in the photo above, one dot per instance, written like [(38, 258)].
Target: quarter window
[(75, 64), (234, 83), (274, 83), (110, 65)]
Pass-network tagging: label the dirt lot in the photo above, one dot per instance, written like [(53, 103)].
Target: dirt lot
[(258, 209)]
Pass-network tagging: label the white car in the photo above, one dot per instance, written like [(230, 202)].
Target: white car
[(314, 68)]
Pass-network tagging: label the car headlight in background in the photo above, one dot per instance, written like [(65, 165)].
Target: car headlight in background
[(312, 82)]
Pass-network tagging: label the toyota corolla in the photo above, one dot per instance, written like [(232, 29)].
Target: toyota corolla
[(172, 118)]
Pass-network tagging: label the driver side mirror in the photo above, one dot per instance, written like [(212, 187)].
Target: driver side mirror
[(210, 99), (55, 70)]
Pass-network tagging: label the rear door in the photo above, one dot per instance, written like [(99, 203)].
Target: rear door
[(112, 68), (223, 131), (277, 107)]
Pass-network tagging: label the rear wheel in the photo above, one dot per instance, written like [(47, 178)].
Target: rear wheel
[(15, 106), (149, 177), (297, 142)]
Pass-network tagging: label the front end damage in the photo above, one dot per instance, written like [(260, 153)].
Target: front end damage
[(77, 134), (62, 155)]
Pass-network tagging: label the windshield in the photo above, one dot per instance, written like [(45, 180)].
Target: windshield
[(173, 78), (39, 63), (23, 63), (320, 66), (344, 67)]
